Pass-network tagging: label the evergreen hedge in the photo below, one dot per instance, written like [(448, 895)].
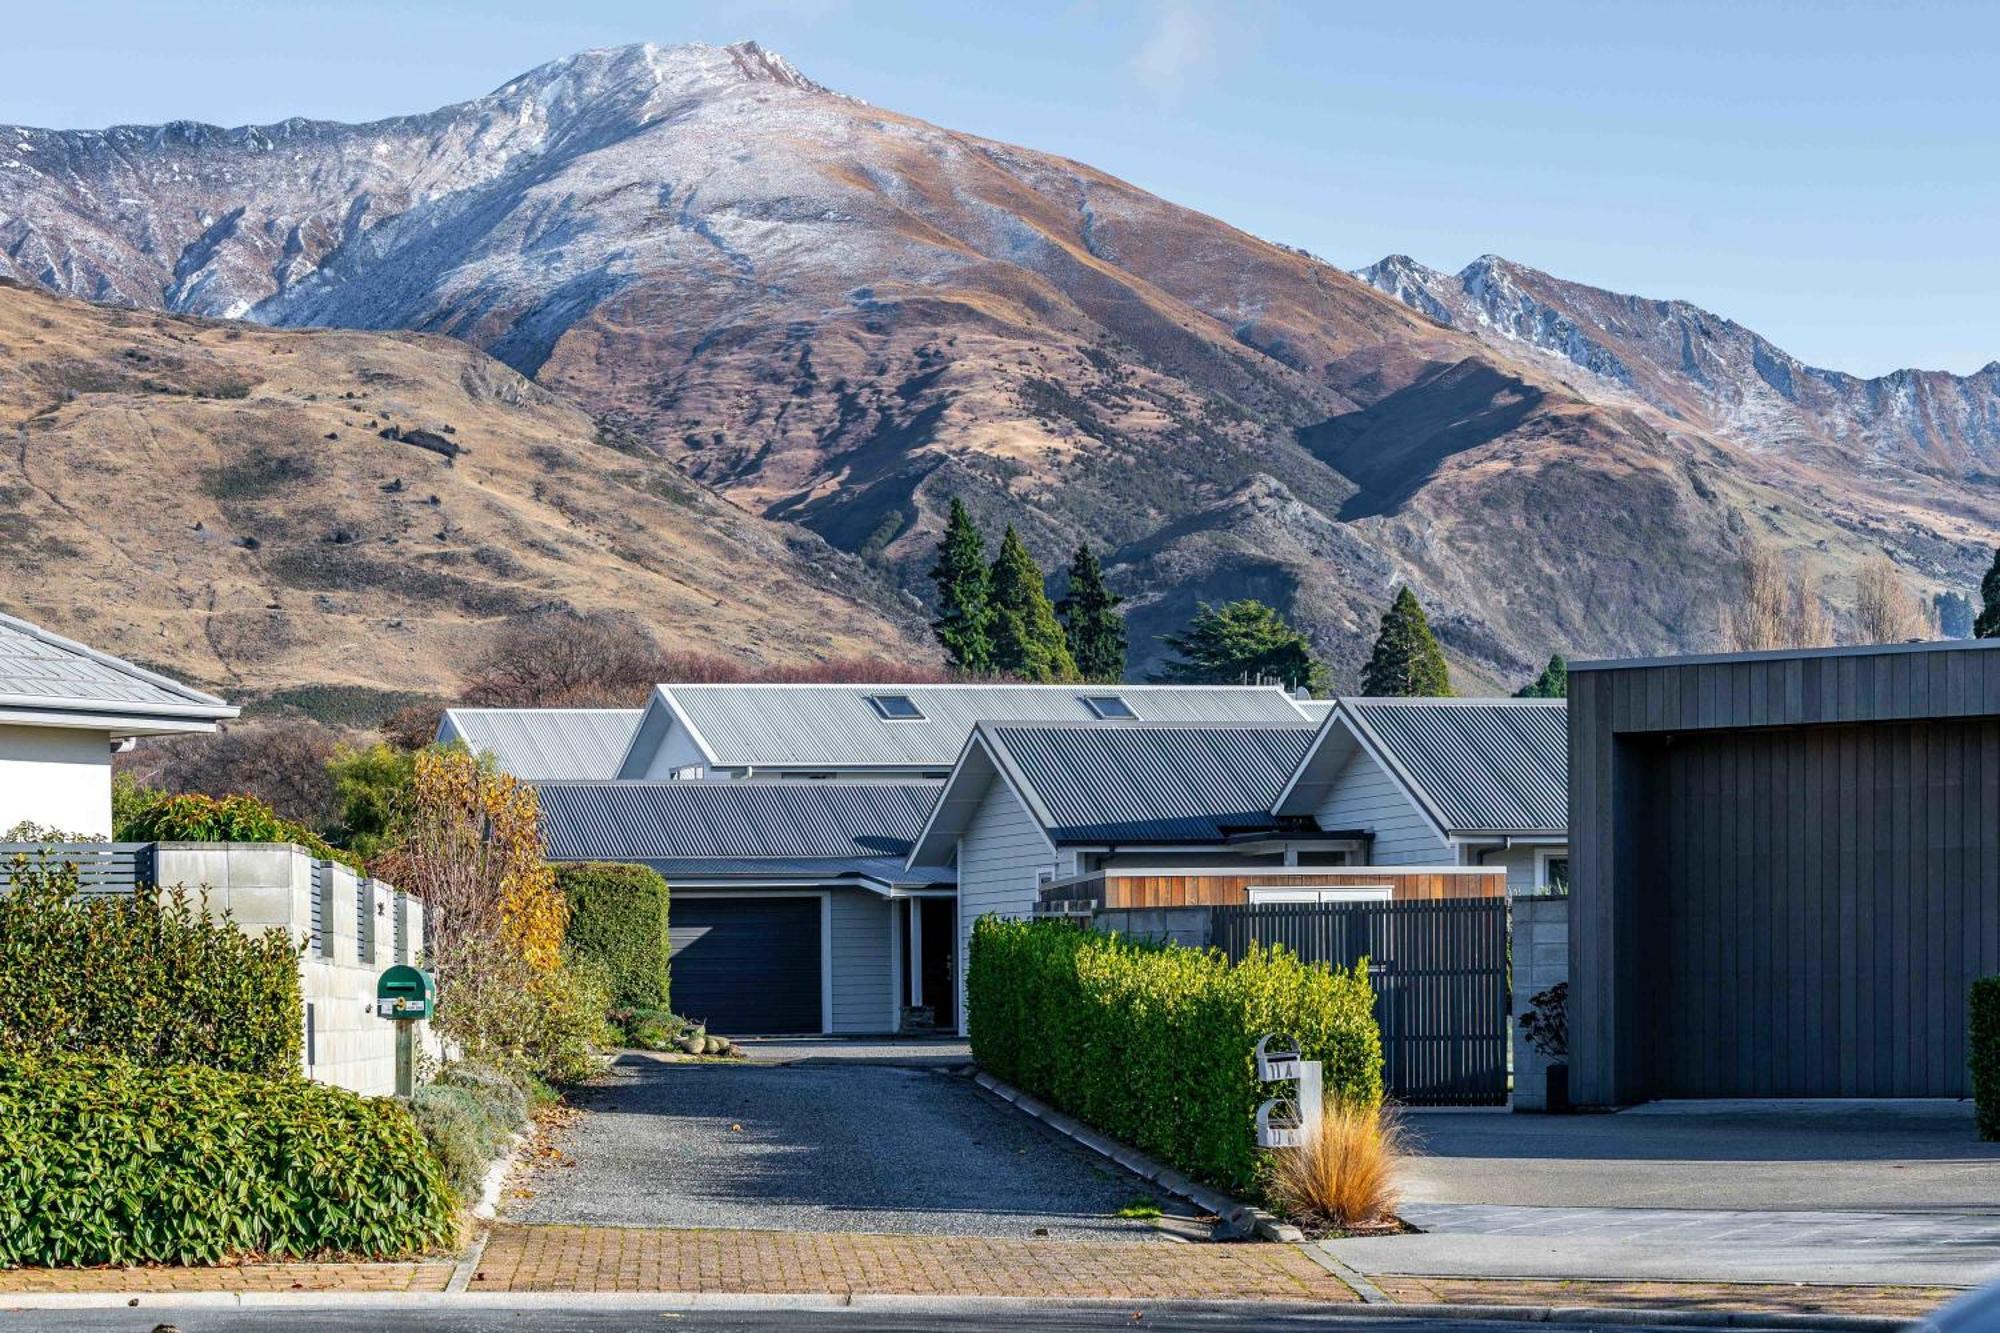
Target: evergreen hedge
[(1983, 1009), (148, 977), (1153, 1045), (105, 1161), (618, 917)]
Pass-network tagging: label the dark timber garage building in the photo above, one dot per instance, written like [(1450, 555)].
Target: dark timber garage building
[(1785, 871)]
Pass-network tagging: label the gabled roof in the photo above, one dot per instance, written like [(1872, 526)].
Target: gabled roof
[(52, 680), (545, 743), (1472, 765), (1123, 782), (744, 829), (837, 726)]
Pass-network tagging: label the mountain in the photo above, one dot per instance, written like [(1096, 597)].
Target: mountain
[(840, 317), (262, 510), (1702, 368)]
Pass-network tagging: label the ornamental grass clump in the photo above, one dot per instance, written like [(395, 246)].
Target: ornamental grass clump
[(1344, 1177)]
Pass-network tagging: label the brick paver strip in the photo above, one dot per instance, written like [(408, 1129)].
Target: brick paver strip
[(235, 1277), (650, 1259), (1886, 1302)]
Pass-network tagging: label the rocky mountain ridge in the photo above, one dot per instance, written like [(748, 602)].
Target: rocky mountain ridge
[(841, 317)]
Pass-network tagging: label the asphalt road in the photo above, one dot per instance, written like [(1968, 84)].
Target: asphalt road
[(828, 1147), (1013, 1319)]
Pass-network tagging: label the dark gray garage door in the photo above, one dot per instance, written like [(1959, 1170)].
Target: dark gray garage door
[(747, 965), (1820, 900)]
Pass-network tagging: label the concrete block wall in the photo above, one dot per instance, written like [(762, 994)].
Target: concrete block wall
[(272, 885), (1190, 927), (1541, 960)]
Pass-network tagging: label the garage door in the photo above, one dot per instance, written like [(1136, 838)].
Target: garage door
[(747, 965), (1820, 898)]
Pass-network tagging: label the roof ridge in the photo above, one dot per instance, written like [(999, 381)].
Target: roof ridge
[(118, 664)]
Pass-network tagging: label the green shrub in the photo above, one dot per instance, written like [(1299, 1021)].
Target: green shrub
[(653, 1029), (506, 1101), (148, 977), (528, 1025), (191, 817), (464, 1130), (1983, 1008), (618, 916), (1153, 1045), (570, 1004), (105, 1161)]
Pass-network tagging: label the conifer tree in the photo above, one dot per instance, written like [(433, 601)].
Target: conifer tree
[(1027, 641), (1092, 626), (1553, 683), (1407, 660), (965, 613), (1243, 643), (1987, 626)]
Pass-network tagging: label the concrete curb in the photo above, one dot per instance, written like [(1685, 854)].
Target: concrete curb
[(565, 1300), (503, 1166), (1356, 1280), (1267, 1226)]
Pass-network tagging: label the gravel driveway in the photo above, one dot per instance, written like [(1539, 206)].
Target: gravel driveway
[(826, 1147)]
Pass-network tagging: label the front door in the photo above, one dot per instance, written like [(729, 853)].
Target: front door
[(940, 957)]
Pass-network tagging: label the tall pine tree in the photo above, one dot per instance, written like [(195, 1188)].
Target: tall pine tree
[(1407, 660), (1092, 626), (1028, 642), (1988, 624), (1553, 683), (1243, 643), (965, 613)]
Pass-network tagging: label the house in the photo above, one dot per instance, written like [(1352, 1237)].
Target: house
[(1786, 872), (64, 709), (1470, 782), (904, 731), (1147, 814), (545, 744), (796, 906)]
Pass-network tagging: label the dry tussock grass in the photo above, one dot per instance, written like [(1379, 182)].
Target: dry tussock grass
[(1346, 1178)]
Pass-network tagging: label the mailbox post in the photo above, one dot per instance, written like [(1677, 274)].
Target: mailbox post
[(405, 994), (1287, 1122)]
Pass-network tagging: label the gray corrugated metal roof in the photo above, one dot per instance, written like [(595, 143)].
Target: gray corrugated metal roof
[(43, 670), (1497, 765), (1134, 782), (733, 826), (546, 743), (835, 725), (701, 871)]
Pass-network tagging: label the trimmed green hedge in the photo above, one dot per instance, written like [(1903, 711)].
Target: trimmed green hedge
[(192, 817), (1983, 1008), (103, 1161), (1153, 1045), (150, 978), (618, 916)]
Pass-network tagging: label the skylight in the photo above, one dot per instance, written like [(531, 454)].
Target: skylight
[(897, 707), (1109, 706)]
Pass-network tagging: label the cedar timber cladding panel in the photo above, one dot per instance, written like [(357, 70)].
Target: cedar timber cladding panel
[(1785, 872), (1212, 889)]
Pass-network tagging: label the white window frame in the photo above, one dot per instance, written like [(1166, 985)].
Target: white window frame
[(1130, 714), (877, 702), (1322, 894), (1544, 855)]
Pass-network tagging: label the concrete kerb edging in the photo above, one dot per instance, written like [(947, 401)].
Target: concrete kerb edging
[(1267, 1226), (572, 1300)]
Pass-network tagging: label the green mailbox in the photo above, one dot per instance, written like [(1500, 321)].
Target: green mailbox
[(405, 993)]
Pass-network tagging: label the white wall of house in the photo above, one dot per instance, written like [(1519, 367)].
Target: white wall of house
[(1365, 797), (677, 752), (863, 990), (57, 777), (1002, 857), (1527, 866)]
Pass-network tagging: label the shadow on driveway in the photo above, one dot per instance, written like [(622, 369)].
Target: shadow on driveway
[(826, 1147)]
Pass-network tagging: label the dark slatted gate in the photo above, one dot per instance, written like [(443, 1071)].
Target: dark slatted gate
[(101, 867), (1440, 976)]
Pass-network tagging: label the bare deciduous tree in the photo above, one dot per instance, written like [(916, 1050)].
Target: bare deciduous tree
[(562, 658), (1885, 610), (282, 763), (1777, 606)]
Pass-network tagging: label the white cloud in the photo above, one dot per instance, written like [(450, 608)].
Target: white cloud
[(1180, 42)]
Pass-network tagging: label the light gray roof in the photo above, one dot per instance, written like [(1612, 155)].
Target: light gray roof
[(743, 829), (1480, 765), (43, 672), (1140, 782), (545, 743), (837, 726)]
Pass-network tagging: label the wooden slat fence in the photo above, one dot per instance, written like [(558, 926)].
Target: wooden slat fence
[(1440, 976), (102, 867)]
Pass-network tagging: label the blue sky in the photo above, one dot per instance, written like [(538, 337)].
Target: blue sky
[(1825, 172)]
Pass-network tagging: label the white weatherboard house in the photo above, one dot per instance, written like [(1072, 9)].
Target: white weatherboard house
[(64, 708), (544, 744), (1470, 782), (903, 731)]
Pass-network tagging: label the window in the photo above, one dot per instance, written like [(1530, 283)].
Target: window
[(1109, 706), (687, 772), (1552, 871), (897, 707), (1345, 893)]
